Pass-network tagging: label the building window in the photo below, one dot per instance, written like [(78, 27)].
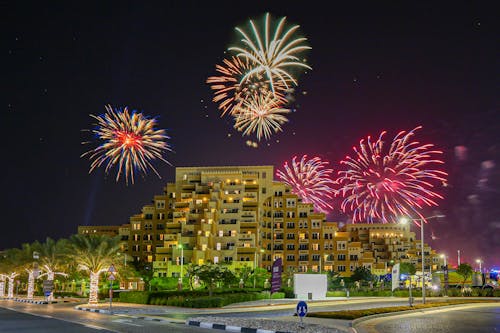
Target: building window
[(264, 190), (290, 236), (304, 257), (315, 247), (290, 225), (264, 175), (290, 257), (341, 268), (341, 257), (315, 257), (290, 247)]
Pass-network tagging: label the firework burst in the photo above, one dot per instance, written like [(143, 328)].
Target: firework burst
[(262, 114), (384, 184), (229, 89), (128, 141), (272, 56), (310, 180)]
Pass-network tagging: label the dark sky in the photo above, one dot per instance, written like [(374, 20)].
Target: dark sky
[(376, 66)]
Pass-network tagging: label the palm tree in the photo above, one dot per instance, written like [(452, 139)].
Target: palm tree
[(94, 254), (52, 255), (8, 269), (24, 257)]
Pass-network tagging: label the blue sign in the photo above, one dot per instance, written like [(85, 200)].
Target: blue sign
[(47, 293), (301, 309)]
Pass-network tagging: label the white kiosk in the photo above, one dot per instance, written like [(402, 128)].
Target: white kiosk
[(310, 286)]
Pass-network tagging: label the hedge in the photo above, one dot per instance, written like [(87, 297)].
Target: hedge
[(195, 299)]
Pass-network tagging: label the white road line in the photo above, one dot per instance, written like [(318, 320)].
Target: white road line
[(94, 327)]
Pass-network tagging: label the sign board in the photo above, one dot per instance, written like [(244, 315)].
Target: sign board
[(112, 269), (276, 275), (111, 277), (301, 309), (47, 293), (395, 277), (48, 286)]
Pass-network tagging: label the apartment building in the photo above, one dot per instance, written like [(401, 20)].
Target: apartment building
[(241, 216)]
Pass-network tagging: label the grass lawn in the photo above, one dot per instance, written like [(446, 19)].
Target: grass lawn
[(353, 314)]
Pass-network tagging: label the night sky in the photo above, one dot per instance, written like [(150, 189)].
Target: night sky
[(375, 67)]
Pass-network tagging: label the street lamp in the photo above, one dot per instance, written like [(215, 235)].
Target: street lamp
[(479, 261), (255, 266), (443, 256), (182, 264), (422, 221), (445, 274)]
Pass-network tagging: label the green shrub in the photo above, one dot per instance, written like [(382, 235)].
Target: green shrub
[(138, 297)]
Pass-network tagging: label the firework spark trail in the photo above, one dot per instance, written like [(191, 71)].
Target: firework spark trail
[(129, 142), (229, 89), (310, 180), (387, 185), (272, 57), (262, 114)]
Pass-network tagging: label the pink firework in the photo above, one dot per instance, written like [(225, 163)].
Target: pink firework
[(310, 180), (384, 184)]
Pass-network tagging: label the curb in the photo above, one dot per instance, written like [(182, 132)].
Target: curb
[(229, 328), (23, 300), (129, 316), (357, 321)]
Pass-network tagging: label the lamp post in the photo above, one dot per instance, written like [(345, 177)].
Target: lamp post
[(422, 221), (182, 264), (479, 261), (445, 273)]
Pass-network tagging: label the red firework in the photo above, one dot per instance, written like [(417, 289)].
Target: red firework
[(385, 184), (310, 180)]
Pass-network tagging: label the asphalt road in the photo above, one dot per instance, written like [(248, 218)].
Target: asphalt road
[(462, 319), (12, 321), (62, 317)]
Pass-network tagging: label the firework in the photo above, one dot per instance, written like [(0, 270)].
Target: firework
[(262, 114), (272, 56), (128, 141), (384, 184), (310, 180), (229, 89)]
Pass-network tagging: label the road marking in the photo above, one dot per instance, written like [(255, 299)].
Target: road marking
[(126, 321)]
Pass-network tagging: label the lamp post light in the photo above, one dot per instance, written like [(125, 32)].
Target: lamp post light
[(422, 221), (479, 261)]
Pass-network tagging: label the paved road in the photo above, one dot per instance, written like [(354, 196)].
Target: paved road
[(462, 319), (12, 321), (62, 317)]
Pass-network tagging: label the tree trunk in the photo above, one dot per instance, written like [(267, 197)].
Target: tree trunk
[(94, 287), (31, 285), (2, 289), (10, 291), (50, 277)]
